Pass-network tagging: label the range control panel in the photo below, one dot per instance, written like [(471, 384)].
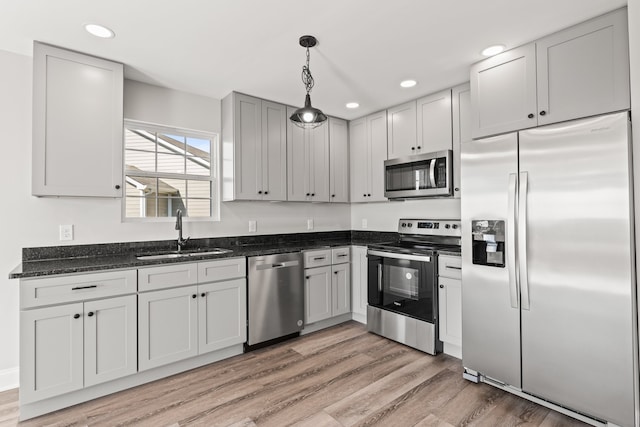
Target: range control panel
[(432, 227)]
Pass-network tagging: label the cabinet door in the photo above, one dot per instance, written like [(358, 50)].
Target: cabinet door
[(298, 156), (77, 124), (377, 135), (434, 122), (274, 151), (584, 70), (110, 339), (51, 355), (247, 117), (461, 103), (401, 130), (359, 160), (317, 294), (167, 325), (340, 289), (338, 161), (222, 313), (450, 310), (503, 92), (319, 163), (359, 282)]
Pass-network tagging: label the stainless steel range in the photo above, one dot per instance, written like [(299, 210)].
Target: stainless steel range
[(402, 282)]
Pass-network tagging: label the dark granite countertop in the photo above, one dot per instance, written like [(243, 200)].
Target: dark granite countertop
[(47, 261)]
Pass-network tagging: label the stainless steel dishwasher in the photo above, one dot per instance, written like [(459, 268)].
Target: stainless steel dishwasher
[(276, 297)]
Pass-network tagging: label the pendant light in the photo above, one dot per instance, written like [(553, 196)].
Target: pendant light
[(308, 117)]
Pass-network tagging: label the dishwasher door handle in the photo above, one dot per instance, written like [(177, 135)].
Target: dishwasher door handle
[(284, 264)]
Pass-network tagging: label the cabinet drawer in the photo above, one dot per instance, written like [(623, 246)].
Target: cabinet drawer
[(64, 289), (223, 269), (450, 266), (167, 276), (318, 258), (340, 255)]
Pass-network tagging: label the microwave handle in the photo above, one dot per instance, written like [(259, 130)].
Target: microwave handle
[(432, 173)]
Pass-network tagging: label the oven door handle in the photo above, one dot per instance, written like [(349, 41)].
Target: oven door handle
[(423, 258), (379, 277)]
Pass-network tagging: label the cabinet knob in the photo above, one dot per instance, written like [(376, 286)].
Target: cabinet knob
[(266, 192), (530, 115), (413, 148), (76, 316), (368, 195), (542, 113), (90, 314), (203, 295), (333, 195), (364, 195), (194, 296), (456, 189), (308, 194), (313, 194), (117, 186), (307, 277), (441, 286), (259, 192), (335, 272), (419, 147)]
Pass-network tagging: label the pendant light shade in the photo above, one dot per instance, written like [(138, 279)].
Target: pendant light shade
[(308, 117)]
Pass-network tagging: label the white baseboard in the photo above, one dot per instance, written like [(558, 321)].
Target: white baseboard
[(9, 378)]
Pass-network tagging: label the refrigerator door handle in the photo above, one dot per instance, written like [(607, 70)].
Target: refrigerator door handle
[(522, 239), (514, 284)]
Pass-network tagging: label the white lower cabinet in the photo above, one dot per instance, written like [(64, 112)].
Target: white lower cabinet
[(71, 346), (327, 285), (450, 304), (359, 283), (194, 318)]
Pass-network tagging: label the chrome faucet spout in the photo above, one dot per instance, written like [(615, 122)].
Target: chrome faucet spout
[(181, 241)]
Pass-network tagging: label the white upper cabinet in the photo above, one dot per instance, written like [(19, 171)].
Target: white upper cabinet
[(401, 130), (461, 106), (338, 161), (503, 92), (77, 124), (434, 122), (367, 153), (307, 162), (584, 70), (254, 149), (577, 72)]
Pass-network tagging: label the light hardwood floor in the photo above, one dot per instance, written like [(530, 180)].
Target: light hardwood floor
[(342, 376)]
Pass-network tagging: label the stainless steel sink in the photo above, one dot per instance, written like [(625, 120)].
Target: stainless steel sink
[(184, 254)]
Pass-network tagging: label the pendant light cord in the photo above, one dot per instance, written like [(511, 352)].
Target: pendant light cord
[(307, 78)]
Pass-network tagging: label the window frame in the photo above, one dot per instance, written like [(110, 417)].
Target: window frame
[(214, 176)]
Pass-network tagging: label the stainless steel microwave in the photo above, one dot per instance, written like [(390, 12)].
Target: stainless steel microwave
[(423, 175)]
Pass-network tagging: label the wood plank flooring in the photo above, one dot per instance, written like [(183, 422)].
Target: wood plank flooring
[(342, 376)]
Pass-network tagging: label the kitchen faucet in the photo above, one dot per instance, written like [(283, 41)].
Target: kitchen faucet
[(181, 242)]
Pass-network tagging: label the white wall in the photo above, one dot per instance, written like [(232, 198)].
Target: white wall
[(384, 216), (29, 221)]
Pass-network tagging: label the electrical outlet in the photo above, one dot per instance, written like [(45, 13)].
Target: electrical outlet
[(253, 226), (66, 232), (310, 224), (364, 223)]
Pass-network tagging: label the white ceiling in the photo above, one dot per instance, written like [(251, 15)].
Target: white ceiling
[(366, 47)]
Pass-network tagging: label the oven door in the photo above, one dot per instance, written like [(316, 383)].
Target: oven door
[(403, 283)]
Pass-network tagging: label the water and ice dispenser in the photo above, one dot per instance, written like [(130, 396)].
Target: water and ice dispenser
[(488, 242)]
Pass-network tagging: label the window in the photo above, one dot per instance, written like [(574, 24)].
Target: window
[(169, 169)]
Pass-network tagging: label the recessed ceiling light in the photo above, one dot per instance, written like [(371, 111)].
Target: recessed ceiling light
[(493, 50), (408, 83), (99, 31), (352, 105)]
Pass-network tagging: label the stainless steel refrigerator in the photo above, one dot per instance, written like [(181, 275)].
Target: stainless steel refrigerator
[(548, 280)]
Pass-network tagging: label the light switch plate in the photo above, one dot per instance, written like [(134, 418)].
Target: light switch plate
[(310, 224), (252, 226), (66, 232)]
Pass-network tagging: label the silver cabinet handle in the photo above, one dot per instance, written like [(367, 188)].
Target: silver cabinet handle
[(453, 267), (319, 258), (278, 265), (379, 277), (514, 285), (522, 239), (342, 255), (84, 287)]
